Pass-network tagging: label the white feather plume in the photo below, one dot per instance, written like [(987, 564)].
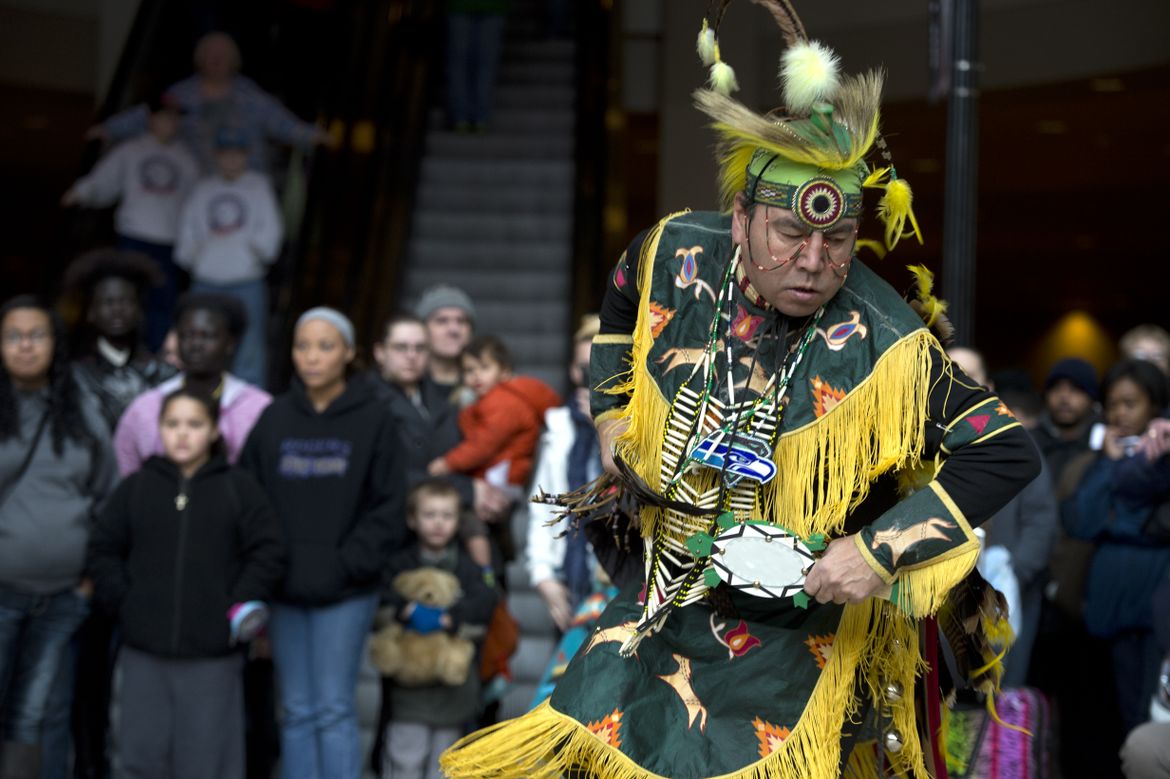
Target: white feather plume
[(809, 74), (705, 45)]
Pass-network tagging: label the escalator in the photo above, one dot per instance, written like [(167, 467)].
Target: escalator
[(364, 71)]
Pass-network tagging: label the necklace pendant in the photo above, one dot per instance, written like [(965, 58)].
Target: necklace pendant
[(749, 457), (181, 501)]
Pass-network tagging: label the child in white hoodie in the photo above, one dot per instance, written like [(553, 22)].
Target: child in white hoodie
[(230, 231), (149, 177)]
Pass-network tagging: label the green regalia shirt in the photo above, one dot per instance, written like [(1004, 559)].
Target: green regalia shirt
[(873, 433)]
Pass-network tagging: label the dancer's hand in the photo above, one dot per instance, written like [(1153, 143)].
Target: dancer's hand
[(607, 432), (842, 575), (556, 598)]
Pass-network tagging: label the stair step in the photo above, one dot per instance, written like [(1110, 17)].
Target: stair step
[(517, 700), (560, 73), (487, 284), (533, 96), (529, 610), (454, 256), (474, 228), (499, 197), (498, 145), (532, 657), (525, 50), (516, 172), (517, 120), (535, 315)]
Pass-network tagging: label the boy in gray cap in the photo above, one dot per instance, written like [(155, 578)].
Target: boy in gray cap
[(449, 317)]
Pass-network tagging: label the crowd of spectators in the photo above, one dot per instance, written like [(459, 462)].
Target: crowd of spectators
[(231, 552)]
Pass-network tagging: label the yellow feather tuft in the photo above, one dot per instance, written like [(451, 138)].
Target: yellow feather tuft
[(809, 74), (876, 179), (894, 210), (932, 307), (705, 45), (877, 247), (733, 171)]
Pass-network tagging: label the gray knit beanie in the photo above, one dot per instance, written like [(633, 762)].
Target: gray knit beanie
[(443, 296), (333, 317)]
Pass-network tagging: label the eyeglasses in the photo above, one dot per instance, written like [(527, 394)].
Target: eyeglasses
[(405, 348), (836, 247), (34, 337)]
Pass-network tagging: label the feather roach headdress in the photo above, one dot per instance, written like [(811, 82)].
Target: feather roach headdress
[(810, 154)]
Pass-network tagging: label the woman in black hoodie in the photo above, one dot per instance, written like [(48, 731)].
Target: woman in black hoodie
[(184, 547), (329, 456)]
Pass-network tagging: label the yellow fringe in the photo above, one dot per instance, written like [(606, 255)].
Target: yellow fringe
[(922, 591), (546, 744), (880, 425), (640, 446)]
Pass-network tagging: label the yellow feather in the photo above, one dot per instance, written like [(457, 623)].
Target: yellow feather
[(932, 307), (876, 179), (894, 210), (733, 171), (877, 247)]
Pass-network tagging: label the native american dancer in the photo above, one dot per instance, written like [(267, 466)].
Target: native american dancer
[(800, 464)]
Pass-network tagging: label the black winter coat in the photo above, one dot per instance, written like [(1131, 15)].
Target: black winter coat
[(169, 556), (426, 433)]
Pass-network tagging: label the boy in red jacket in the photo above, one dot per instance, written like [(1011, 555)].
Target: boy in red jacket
[(501, 429)]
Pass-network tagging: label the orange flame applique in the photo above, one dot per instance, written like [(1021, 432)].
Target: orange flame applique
[(660, 317), (608, 728), (770, 736), (821, 648), (825, 397)]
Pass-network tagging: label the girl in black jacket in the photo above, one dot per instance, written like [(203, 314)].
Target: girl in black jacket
[(185, 545), (328, 455)]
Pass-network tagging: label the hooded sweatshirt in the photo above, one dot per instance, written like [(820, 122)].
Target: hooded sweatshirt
[(229, 231), (150, 178), (170, 567), (337, 481)]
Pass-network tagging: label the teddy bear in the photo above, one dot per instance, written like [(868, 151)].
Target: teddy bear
[(412, 658)]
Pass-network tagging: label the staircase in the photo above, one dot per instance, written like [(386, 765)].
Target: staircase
[(494, 216), (494, 210)]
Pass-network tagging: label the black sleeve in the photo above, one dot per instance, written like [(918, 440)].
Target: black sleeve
[(609, 360), (478, 601), (261, 545), (986, 458), (989, 456), (109, 546), (251, 459), (619, 306), (381, 529)]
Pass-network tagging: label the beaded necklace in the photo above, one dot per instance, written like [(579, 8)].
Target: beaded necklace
[(675, 576), (769, 398)]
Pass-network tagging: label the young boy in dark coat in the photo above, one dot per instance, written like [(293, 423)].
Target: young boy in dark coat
[(423, 721)]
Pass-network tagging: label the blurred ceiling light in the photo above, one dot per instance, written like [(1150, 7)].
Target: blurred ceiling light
[(925, 165), (1106, 85), (1077, 334)]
